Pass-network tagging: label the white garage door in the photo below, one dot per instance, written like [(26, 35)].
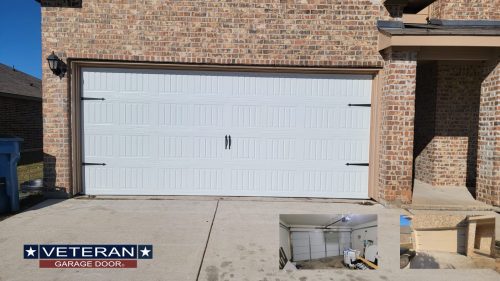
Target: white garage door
[(449, 240), (169, 132), (310, 245), (301, 249)]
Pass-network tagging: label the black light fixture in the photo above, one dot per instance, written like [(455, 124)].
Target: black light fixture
[(57, 66)]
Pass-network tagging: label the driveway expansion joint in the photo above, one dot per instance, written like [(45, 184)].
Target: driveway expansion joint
[(208, 239)]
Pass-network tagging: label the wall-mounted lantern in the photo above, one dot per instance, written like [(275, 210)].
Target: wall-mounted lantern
[(57, 66)]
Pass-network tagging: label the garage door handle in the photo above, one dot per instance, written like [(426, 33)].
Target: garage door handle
[(229, 141), (93, 164), (225, 147), (357, 164)]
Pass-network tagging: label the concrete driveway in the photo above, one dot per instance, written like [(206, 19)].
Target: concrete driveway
[(194, 238), (445, 260)]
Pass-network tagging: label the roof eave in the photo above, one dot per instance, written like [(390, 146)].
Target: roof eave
[(390, 39)]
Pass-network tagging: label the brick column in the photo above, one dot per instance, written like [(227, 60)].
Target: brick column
[(56, 128), (397, 118), (488, 161)]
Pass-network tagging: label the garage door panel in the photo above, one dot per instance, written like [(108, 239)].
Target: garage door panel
[(337, 117), (172, 124), (263, 148), (124, 178), (264, 180), (335, 148), (301, 149), (268, 116), (318, 247), (298, 236), (98, 113), (320, 115), (190, 147), (99, 145), (137, 113), (452, 240), (135, 180), (348, 181), (226, 83), (134, 146), (188, 115), (141, 146)]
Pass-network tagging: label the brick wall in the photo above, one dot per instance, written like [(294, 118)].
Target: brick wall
[(425, 121), (457, 117), (397, 123), (446, 147), (488, 180), (339, 33), (466, 9), (324, 33), (22, 118)]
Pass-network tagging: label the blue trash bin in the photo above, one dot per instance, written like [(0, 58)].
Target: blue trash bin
[(9, 155)]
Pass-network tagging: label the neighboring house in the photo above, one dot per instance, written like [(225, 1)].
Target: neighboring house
[(21, 116), (345, 99), (466, 235)]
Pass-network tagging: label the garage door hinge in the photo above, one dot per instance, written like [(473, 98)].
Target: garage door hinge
[(360, 104), (93, 164), (357, 164), (86, 98)]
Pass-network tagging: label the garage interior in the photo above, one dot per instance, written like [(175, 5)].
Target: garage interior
[(452, 241), (339, 241)]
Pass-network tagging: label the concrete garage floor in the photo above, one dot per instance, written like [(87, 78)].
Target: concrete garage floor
[(323, 263), (195, 238)]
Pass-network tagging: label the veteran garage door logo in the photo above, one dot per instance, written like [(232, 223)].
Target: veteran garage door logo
[(87, 256)]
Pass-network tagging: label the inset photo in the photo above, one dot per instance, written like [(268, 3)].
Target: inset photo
[(328, 241), (442, 241)]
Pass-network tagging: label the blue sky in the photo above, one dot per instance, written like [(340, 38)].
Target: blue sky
[(403, 221), (20, 35)]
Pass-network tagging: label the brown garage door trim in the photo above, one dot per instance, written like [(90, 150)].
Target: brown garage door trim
[(74, 92)]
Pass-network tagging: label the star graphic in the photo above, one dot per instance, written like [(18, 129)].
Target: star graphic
[(145, 252), (31, 252)]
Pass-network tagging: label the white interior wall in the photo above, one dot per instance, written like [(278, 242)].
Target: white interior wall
[(285, 241), (361, 232)]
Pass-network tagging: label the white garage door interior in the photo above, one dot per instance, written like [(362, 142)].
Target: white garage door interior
[(173, 132), (310, 245), (446, 240)]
